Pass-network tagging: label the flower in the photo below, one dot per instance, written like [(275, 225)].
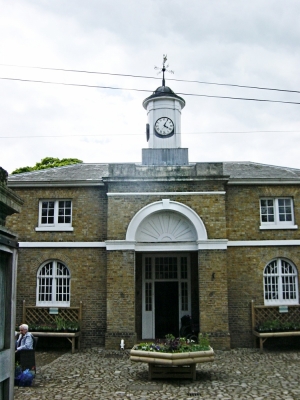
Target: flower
[(175, 345)]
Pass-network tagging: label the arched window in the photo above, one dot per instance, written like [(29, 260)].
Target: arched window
[(280, 283), (53, 284)]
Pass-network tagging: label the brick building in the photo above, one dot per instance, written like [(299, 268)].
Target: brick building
[(143, 244)]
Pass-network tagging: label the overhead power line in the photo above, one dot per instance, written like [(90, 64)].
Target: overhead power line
[(141, 134), (145, 90), (152, 77)]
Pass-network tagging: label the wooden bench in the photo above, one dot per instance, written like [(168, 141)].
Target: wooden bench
[(261, 314), (33, 315)]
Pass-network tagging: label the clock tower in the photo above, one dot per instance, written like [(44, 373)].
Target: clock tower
[(163, 130)]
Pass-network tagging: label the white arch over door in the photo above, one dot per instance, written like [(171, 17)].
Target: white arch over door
[(167, 210)]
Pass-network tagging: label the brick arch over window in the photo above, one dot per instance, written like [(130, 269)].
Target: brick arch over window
[(166, 221), (53, 284), (281, 282)]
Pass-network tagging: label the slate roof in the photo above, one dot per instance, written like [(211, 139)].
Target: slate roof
[(251, 170), (93, 173), (74, 172)]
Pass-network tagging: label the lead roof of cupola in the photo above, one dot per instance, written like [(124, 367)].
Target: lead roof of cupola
[(163, 91)]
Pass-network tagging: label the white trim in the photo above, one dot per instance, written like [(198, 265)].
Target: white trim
[(150, 247), (164, 205), (244, 243), (61, 244), (120, 245), (210, 244), (279, 226), (111, 194), (215, 244)]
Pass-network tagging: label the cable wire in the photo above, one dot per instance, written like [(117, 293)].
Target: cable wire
[(145, 90), (152, 77), (143, 133)]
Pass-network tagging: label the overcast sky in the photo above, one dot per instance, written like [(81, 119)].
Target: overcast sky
[(252, 43)]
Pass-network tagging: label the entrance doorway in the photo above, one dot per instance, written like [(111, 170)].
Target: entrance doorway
[(166, 293), (166, 309)]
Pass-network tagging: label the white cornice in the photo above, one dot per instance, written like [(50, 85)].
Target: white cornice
[(218, 244), (211, 244), (110, 194), (246, 243), (61, 244)]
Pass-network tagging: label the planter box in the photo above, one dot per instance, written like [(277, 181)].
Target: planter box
[(172, 365)]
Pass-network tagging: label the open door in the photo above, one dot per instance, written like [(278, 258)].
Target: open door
[(166, 309), (166, 295)]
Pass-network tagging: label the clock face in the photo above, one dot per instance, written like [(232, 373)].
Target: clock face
[(164, 127)]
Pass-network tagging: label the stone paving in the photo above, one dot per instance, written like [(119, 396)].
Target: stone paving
[(101, 374)]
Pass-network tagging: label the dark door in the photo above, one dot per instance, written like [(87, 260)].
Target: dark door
[(166, 309)]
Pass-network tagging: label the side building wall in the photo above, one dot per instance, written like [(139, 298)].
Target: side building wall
[(87, 265), (245, 263)]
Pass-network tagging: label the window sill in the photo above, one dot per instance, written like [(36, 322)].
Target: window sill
[(54, 228), (53, 305), (281, 303), (274, 227)]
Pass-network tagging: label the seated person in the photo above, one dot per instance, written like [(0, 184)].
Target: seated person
[(25, 341)]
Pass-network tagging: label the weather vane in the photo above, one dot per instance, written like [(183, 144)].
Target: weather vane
[(164, 69)]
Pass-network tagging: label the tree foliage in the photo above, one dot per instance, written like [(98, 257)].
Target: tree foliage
[(48, 162)]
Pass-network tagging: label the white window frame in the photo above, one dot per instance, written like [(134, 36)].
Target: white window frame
[(277, 224), (55, 283), (55, 226), (274, 285)]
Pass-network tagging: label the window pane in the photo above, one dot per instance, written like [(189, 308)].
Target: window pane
[(184, 270), (148, 269), (148, 299), (267, 210), (184, 296), (285, 209), (47, 214), (166, 267), (64, 212), (45, 289)]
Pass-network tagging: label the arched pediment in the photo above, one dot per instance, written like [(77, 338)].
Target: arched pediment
[(166, 226), (166, 221)]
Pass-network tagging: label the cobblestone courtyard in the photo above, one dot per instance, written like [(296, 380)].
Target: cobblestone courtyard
[(99, 374)]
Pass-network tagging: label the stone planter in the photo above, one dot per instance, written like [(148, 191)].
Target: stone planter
[(172, 365)]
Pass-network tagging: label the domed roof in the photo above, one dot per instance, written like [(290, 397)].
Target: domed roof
[(163, 91)]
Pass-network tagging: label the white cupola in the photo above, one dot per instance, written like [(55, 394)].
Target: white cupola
[(164, 118), (163, 130)]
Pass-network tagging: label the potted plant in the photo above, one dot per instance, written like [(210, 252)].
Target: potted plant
[(60, 323), (163, 356), (72, 326)]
